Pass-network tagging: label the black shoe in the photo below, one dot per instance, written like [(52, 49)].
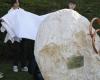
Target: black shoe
[(38, 76)]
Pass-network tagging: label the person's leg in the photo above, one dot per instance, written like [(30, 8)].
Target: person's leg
[(37, 73), (15, 49), (31, 56), (33, 66), (16, 52), (24, 54), (28, 51)]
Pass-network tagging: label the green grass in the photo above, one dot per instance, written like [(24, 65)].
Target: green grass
[(10, 75)]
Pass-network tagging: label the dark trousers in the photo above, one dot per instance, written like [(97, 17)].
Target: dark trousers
[(15, 50), (23, 52), (27, 48), (28, 52)]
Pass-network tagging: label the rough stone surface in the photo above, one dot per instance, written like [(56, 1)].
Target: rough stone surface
[(63, 48)]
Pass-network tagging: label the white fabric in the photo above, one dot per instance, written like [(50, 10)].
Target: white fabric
[(2, 29), (21, 24), (10, 34)]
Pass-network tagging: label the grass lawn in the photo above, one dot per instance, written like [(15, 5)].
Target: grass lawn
[(10, 75)]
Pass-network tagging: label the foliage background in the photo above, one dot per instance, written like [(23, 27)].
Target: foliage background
[(88, 8)]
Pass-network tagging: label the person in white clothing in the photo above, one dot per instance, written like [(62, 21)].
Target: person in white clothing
[(15, 47), (26, 29)]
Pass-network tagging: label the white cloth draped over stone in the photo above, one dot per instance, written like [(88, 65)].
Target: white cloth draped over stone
[(21, 24)]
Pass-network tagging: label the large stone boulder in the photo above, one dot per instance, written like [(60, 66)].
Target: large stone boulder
[(64, 50)]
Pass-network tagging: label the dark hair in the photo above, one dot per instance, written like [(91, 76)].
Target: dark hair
[(13, 2), (72, 1)]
